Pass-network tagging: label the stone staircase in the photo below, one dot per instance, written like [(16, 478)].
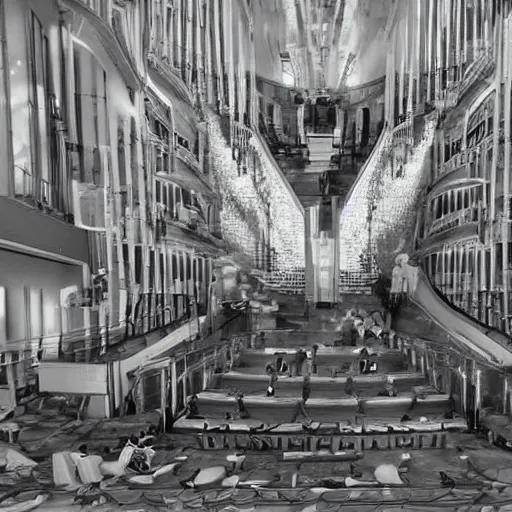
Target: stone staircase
[(339, 419)]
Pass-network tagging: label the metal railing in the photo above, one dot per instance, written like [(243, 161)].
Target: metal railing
[(188, 158), (452, 220), (23, 182)]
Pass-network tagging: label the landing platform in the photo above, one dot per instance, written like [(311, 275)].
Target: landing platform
[(281, 409)]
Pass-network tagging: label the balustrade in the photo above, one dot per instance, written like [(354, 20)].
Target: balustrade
[(188, 158), (100, 7), (454, 163), (452, 220)]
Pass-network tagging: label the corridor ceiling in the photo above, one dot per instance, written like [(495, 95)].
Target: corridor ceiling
[(322, 35)]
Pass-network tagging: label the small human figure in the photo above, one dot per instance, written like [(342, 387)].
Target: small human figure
[(389, 389), (350, 389), (272, 374), (282, 365), (192, 410), (242, 411), (364, 361), (300, 358), (314, 367), (306, 388), (300, 410)]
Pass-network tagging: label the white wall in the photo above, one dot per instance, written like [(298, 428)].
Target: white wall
[(76, 378), (170, 341), (20, 270)]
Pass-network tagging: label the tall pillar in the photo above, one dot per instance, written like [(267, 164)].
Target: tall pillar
[(420, 48), (465, 21), (506, 175), (448, 40), (495, 153), (458, 39), (189, 58), (456, 272), (430, 43), (228, 35), (198, 58), (178, 42), (218, 61), (401, 78), (439, 56), (208, 57), (476, 13), (443, 268), (412, 56)]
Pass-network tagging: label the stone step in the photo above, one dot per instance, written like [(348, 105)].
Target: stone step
[(281, 409), (368, 302), (251, 435), (293, 338), (366, 385), (434, 423), (328, 361)]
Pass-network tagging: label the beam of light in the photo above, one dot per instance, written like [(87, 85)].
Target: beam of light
[(244, 212), (396, 201)]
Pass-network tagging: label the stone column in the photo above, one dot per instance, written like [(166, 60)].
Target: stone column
[(439, 56), (506, 175)]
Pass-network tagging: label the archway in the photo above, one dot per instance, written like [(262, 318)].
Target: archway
[(365, 130)]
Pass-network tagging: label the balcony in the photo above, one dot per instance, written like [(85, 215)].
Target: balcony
[(98, 26), (188, 216), (188, 158), (451, 234), (185, 221), (479, 69), (454, 163), (171, 76), (99, 7), (89, 205), (452, 220)]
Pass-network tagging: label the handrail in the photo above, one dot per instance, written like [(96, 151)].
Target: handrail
[(370, 158), (483, 340), (286, 183)]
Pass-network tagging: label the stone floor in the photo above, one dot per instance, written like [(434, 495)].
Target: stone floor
[(472, 463), (480, 475)]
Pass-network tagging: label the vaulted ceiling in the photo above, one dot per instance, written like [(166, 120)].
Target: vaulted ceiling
[(325, 35)]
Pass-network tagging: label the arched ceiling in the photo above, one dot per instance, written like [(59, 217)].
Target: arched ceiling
[(323, 35)]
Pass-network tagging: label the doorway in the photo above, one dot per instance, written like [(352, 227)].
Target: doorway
[(365, 132)]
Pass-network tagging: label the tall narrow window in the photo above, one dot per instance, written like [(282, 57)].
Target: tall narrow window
[(39, 110), (91, 109), (22, 136)]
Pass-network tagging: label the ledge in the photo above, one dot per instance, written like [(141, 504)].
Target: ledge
[(166, 72), (30, 228), (455, 234), (109, 42)]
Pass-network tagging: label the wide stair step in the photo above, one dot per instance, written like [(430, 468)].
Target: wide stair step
[(291, 338), (332, 437), (326, 387), (281, 409), (337, 419), (328, 361)]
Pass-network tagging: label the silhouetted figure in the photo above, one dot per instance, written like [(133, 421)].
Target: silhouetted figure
[(351, 390), (364, 361), (272, 374), (389, 389), (300, 410), (282, 365), (306, 388), (242, 411), (130, 406), (314, 367), (300, 358), (192, 411)]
